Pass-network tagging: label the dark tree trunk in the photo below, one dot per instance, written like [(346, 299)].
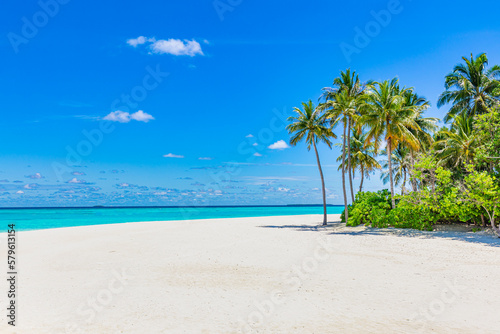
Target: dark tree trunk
[(325, 220), (389, 158), (349, 158), (343, 175)]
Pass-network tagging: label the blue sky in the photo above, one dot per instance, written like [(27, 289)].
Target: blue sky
[(183, 80)]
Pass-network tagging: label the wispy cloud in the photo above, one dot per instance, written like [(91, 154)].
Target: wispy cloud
[(171, 46), (249, 136), (257, 154), (171, 155), (125, 117), (279, 145), (205, 158)]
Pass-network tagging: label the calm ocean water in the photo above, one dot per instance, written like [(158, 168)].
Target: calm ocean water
[(35, 219)]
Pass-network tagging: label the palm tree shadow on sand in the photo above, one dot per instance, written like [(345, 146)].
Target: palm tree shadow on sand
[(338, 228)]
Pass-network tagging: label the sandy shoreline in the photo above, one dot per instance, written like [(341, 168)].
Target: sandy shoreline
[(263, 275)]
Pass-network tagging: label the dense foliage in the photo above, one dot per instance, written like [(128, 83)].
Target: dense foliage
[(450, 175)]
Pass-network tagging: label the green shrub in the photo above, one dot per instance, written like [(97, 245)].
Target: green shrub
[(374, 209), (369, 208), (407, 214)]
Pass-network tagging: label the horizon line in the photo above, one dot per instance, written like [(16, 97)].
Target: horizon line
[(165, 207)]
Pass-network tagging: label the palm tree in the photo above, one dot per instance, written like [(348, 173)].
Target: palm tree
[(310, 125), (456, 146), (363, 157), (471, 88), (400, 166), (385, 114), (427, 126), (341, 102), (337, 108)]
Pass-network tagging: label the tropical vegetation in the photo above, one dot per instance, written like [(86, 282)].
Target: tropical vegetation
[(445, 175)]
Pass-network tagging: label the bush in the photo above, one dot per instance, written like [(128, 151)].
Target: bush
[(374, 209), (407, 214), (369, 208)]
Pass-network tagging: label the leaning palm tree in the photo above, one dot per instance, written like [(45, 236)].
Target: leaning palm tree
[(471, 88), (311, 125), (387, 116), (456, 146)]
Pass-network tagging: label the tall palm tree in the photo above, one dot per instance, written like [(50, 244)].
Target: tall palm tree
[(386, 115), (400, 166), (311, 125), (337, 108), (471, 88), (340, 104), (456, 146)]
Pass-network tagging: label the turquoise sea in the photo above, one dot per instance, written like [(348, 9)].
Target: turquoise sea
[(36, 219)]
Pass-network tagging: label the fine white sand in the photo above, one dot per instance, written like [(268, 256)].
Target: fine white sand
[(253, 275)]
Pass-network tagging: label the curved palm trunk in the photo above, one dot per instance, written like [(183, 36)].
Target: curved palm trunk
[(349, 158), (362, 178), (389, 158), (322, 184), (343, 176)]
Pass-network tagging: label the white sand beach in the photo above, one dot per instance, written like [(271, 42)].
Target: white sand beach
[(254, 275)]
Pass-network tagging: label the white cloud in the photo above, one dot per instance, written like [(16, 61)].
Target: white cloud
[(255, 144), (141, 116), (136, 41), (118, 116), (205, 158), (177, 47), (257, 154), (20, 192), (249, 136), (171, 155), (171, 46), (279, 145), (125, 117)]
